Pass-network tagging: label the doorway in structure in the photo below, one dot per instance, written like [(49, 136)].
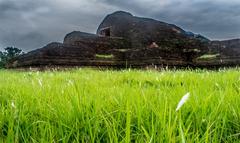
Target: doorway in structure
[(105, 32)]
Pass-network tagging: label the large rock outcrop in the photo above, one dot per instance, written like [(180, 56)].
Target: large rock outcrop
[(101, 44), (124, 40), (143, 32)]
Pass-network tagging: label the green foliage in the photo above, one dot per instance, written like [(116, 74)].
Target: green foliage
[(209, 56), (119, 106), (1, 59), (8, 54), (104, 56)]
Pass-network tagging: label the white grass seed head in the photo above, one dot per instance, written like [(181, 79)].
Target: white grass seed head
[(13, 105), (70, 82), (40, 82), (183, 100)]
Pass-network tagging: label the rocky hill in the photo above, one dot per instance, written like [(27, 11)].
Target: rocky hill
[(124, 40)]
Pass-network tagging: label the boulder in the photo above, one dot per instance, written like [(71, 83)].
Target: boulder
[(142, 32)]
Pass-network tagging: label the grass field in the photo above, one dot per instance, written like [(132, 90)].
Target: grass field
[(87, 105)]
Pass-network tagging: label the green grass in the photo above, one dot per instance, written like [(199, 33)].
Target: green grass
[(104, 56), (209, 56), (119, 106)]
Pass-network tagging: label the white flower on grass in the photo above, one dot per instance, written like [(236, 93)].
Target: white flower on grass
[(216, 84), (13, 105), (182, 101), (40, 82), (204, 120), (70, 82)]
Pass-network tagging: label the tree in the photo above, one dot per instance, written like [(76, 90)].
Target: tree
[(1, 60), (8, 54)]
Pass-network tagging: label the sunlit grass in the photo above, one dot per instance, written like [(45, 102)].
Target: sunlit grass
[(119, 106), (209, 56)]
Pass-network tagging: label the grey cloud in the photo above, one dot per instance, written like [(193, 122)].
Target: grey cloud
[(49, 20), (31, 24)]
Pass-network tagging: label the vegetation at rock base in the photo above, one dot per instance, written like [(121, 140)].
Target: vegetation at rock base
[(8, 54), (209, 56), (104, 56), (87, 105)]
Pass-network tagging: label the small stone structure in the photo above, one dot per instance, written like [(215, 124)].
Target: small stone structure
[(124, 40)]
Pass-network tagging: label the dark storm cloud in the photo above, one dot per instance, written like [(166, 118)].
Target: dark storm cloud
[(31, 24), (16, 24)]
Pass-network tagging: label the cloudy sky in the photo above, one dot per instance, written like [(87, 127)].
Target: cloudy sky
[(31, 24)]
